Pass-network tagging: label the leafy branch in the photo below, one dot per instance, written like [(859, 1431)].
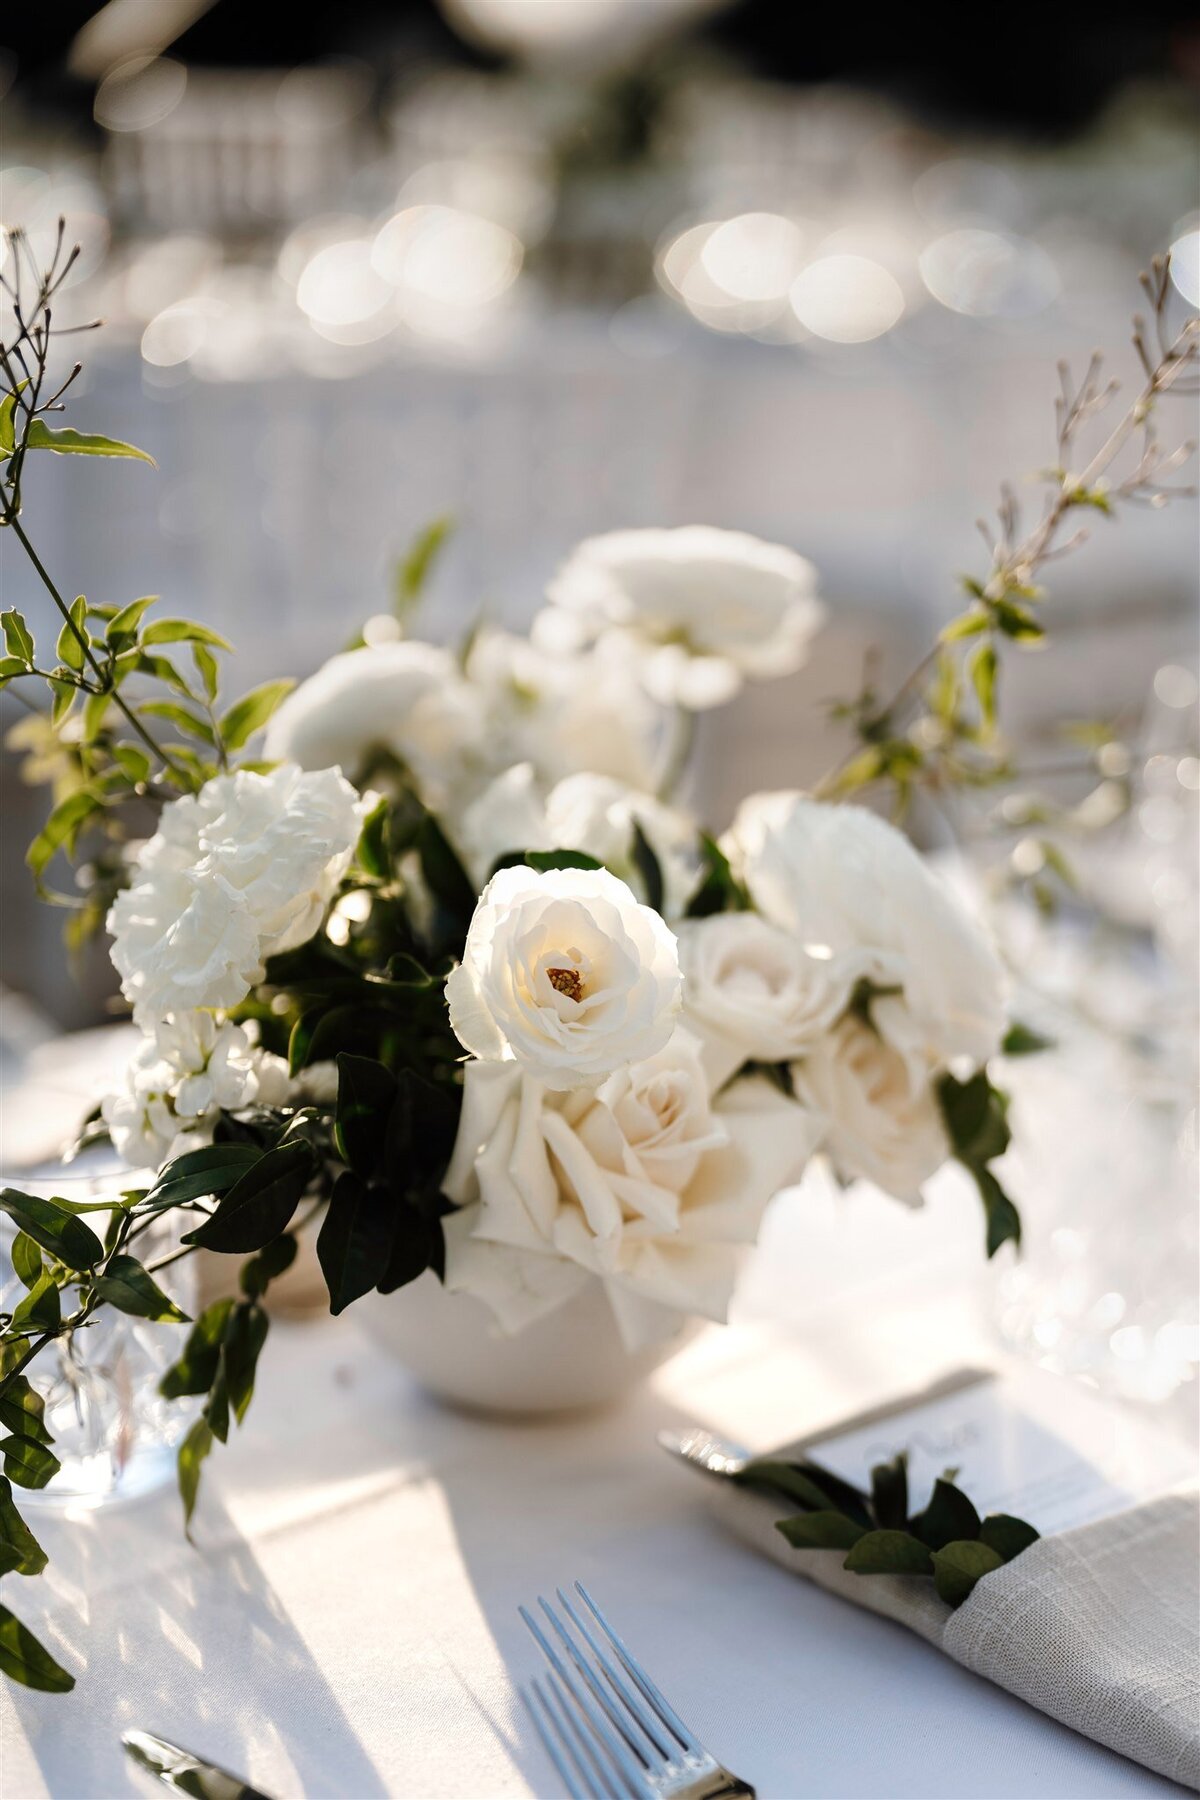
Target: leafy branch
[(938, 728)]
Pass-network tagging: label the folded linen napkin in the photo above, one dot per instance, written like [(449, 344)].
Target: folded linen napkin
[(1098, 1625)]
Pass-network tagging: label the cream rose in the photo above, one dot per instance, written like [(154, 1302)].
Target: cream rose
[(752, 992), (696, 610), (642, 1183), (236, 872), (841, 880), (882, 1121), (565, 974)]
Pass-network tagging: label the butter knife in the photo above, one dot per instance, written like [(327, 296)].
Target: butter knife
[(186, 1773)]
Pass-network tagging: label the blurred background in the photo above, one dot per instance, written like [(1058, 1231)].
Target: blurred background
[(556, 266)]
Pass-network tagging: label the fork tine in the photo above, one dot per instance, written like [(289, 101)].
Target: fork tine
[(589, 1675), (651, 1727), (662, 1707), (548, 1730), (614, 1744), (609, 1780)]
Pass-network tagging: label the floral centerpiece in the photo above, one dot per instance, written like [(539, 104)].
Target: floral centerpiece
[(428, 953)]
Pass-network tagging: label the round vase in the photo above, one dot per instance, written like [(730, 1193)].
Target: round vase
[(572, 1360)]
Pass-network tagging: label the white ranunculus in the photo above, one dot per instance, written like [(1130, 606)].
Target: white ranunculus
[(561, 712), (408, 698), (752, 992), (236, 872), (883, 1119), (565, 974), (641, 1182), (840, 879), (696, 609), (592, 813), (186, 1070)]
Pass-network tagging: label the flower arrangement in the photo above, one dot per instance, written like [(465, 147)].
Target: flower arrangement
[(427, 952)]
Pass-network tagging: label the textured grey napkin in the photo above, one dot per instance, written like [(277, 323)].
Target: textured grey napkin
[(1099, 1626)]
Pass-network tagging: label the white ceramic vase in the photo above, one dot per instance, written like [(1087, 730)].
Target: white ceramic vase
[(571, 1361)]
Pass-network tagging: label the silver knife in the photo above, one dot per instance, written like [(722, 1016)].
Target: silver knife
[(186, 1773)]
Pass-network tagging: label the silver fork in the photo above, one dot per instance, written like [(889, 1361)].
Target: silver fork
[(606, 1728)]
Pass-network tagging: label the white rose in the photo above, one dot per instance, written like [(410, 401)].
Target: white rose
[(407, 697), (565, 974), (883, 1122), (697, 609), (592, 813), (752, 992), (183, 1073), (642, 1183), (562, 712), (839, 879), (234, 873)]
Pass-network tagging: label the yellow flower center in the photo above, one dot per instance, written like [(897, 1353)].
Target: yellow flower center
[(566, 981)]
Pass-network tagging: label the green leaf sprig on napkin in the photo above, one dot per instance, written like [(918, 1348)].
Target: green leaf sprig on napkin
[(947, 1540)]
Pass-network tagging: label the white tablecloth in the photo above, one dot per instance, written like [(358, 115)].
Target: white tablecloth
[(347, 1622)]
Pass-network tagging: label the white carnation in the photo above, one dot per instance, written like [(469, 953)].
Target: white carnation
[(883, 1120), (566, 974), (185, 1071), (408, 698), (751, 991), (695, 609), (234, 873), (641, 1182), (842, 881)]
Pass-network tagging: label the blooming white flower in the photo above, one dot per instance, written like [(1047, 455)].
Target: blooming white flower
[(562, 712), (406, 697), (592, 813), (751, 991), (236, 872), (883, 1120), (641, 1182), (839, 879), (184, 1071), (566, 974), (695, 609)]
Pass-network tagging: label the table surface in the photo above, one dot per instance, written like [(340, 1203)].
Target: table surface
[(346, 1623)]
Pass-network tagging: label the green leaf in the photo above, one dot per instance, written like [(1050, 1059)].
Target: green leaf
[(820, 1531), (26, 1661), (260, 1205), (20, 1552), (648, 867), (366, 1092), (1003, 1219), (889, 1553), (355, 1240), (8, 430), (40, 1307), (974, 1115), (133, 763), (26, 1259), (61, 830), (183, 631), (245, 1335), (967, 624), (74, 636), (982, 668), (192, 1452), (413, 570), (258, 1274), (17, 639), (1006, 1535), (22, 1409), (958, 1566), (54, 1226), (1020, 1040), (196, 1369), (252, 711), (122, 628), (1016, 622), (206, 668), (889, 1493), (66, 442), (200, 1175), (417, 1244), (948, 1515), (719, 890), (28, 1461), (182, 717), (783, 1478), (444, 874), (128, 1286)]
